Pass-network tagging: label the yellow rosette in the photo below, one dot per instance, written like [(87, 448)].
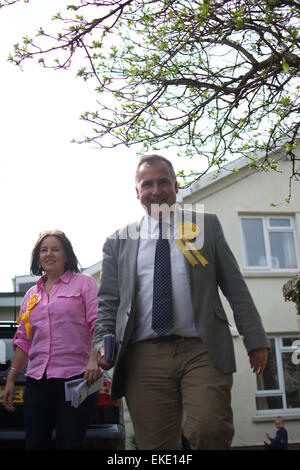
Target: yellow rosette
[(25, 316), (187, 231)]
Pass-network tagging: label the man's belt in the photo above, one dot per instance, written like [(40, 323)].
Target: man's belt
[(161, 339)]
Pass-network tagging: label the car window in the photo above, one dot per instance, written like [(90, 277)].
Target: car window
[(6, 353)]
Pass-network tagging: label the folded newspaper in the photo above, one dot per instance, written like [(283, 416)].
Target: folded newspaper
[(76, 391)]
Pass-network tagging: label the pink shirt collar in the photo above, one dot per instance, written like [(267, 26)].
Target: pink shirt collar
[(65, 277)]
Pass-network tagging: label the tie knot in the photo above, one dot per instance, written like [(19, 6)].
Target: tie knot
[(164, 230), (160, 229)]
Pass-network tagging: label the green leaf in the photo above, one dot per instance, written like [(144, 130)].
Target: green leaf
[(285, 66)]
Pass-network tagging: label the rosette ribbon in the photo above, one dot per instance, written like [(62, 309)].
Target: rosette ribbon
[(26, 315)]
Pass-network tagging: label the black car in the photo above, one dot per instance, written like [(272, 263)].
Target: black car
[(106, 430)]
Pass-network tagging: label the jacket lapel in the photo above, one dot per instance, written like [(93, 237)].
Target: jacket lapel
[(133, 243)]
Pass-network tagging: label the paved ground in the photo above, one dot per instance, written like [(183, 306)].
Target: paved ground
[(130, 440)]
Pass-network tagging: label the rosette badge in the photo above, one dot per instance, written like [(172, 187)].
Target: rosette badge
[(188, 230), (25, 316)]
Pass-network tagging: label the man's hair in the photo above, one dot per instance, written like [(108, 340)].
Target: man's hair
[(151, 159)]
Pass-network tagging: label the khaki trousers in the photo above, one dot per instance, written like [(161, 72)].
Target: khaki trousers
[(173, 387)]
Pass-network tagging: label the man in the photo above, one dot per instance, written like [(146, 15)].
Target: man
[(180, 376)]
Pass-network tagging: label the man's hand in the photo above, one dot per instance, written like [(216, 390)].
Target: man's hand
[(104, 364), (92, 372), (258, 360)]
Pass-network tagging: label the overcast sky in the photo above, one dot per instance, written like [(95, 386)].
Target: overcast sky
[(47, 182)]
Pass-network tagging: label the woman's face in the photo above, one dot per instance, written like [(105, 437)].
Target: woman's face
[(52, 256)]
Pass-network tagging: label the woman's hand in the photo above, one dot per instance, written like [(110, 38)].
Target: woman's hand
[(8, 396), (19, 362), (92, 372)]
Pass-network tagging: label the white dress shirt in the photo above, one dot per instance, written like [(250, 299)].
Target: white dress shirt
[(182, 304)]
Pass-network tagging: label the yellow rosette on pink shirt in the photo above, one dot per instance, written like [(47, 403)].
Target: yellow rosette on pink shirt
[(26, 315)]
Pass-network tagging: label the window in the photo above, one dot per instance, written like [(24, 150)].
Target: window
[(25, 286), (269, 243), (278, 388), (6, 353)]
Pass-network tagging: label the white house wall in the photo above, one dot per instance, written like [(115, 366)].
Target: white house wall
[(250, 193)]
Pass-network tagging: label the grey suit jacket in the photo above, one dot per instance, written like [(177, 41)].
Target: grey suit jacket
[(117, 294)]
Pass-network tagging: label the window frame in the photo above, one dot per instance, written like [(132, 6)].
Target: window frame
[(281, 391), (267, 228)]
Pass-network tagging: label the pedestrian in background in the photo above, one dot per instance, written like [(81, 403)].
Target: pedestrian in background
[(280, 441)]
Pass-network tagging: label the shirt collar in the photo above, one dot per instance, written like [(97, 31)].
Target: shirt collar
[(65, 277), (150, 226)]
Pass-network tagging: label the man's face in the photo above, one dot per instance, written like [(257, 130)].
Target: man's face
[(156, 186)]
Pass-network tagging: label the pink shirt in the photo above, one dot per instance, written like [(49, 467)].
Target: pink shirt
[(61, 326)]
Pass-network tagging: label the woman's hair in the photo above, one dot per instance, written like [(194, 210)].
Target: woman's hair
[(72, 262)]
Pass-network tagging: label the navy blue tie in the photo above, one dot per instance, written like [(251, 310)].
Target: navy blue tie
[(162, 311)]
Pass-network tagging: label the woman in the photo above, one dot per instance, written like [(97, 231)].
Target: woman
[(56, 324)]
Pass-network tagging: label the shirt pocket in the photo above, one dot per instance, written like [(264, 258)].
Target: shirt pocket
[(70, 303)]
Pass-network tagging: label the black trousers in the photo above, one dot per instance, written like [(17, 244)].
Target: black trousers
[(46, 409)]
